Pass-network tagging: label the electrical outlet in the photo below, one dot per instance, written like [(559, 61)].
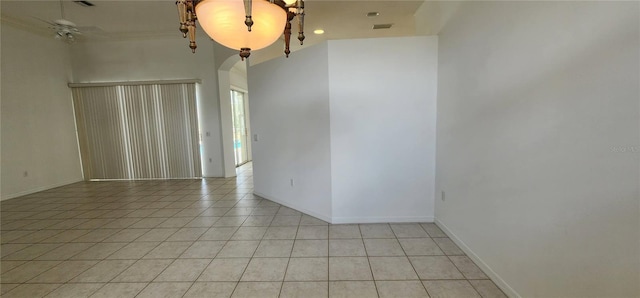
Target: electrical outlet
[(292, 182), (25, 174), (208, 134), (255, 137), (442, 196), (210, 160)]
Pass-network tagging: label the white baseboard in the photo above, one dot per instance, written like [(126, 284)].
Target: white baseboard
[(37, 189), (383, 219), (293, 206), (476, 259)]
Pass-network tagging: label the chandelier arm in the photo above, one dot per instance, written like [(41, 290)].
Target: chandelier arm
[(247, 10), (182, 14), (191, 20), (287, 33), (300, 14)]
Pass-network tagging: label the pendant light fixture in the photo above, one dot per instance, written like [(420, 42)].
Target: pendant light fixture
[(243, 25)]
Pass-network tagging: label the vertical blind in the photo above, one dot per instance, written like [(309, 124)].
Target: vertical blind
[(138, 131)]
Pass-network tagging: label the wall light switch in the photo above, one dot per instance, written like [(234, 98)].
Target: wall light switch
[(255, 137)]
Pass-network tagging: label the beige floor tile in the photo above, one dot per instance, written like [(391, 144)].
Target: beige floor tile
[(281, 233), (31, 252), (433, 230), (203, 249), (31, 290), (313, 232), (450, 288), (408, 231), (230, 221), (383, 248), (435, 267), (148, 223), (468, 268), (75, 290), (448, 247), (310, 248), (288, 211), (158, 234), (37, 236), (257, 289), (307, 220), (99, 251), (103, 271), (96, 235), (346, 248), (5, 288), (405, 289), (27, 271), (420, 247), (119, 290), (352, 289), (219, 233), (8, 265), (121, 223), (168, 250), (133, 251), (126, 235), (187, 234), (249, 233), (224, 270), (308, 269), (10, 248), (392, 268), (239, 249), (183, 270), (66, 251), (68, 235), (349, 268), (274, 249), (143, 271), (202, 222), (63, 272), (211, 290), (165, 290), (285, 220), (344, 232), (258, 221), (305, 289), (487, 289), (175, 222), (265, 269)]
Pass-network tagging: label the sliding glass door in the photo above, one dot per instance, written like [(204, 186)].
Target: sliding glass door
[(240, 131)]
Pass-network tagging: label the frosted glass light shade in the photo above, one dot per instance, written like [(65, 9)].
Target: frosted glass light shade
[(223, 20)]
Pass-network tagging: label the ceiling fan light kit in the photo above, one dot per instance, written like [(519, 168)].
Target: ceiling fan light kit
[(242, 25)]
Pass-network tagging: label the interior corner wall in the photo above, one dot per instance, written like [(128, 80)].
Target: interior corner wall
[(160, 59), (39, 143), (383, 125), (289, 107), (538, 137)]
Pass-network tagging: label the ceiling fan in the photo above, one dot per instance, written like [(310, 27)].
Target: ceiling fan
[(64, 29)]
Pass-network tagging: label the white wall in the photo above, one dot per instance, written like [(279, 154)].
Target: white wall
[(38, 129), (160, 59), (536, 102), (355, 129), (289, 107), (383, 124)]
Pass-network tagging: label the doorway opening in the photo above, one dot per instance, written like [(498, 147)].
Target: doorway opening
[(240, 127)]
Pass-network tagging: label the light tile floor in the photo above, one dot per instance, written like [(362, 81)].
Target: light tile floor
[(213, 238)]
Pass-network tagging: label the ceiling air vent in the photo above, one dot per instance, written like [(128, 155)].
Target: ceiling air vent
[(373, 14), (84, 3), (382, 26)]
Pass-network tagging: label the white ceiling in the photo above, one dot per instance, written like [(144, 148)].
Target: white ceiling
[(138, 19)]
